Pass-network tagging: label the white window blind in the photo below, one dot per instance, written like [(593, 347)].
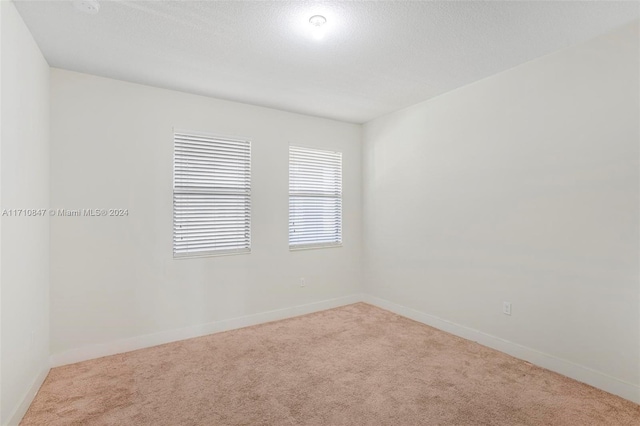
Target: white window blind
[(315, 198), (211, 195)]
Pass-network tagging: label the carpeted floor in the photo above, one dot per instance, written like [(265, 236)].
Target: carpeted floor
[(354, 365)]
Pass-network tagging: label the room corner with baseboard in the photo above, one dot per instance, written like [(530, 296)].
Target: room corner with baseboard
[(319, 213), (24, 169)]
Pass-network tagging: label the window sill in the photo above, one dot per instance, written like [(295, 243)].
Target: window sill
[(314, 247), (216, 253)]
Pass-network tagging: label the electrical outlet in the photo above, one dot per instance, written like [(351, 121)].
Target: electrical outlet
[(506, 308), (302, 282)]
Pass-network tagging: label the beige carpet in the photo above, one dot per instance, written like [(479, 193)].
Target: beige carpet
[(355, 365)]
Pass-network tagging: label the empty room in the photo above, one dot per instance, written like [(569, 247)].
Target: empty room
[(319, 213)]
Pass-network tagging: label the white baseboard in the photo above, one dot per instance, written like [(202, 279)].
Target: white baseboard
[(20, 411), (149, 340), (566, 368)]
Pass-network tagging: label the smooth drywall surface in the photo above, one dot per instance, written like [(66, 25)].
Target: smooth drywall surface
[(24, 170), (522, 187), (114, 278), (1, 422)]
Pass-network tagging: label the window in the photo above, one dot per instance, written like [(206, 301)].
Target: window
[(211, 195), (315, 198)]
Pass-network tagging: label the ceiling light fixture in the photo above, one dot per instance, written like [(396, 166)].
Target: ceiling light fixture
[(87, 6), (317, 22)]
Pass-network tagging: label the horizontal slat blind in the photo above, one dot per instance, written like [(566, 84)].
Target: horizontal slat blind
[(315, 198), (211, 195)]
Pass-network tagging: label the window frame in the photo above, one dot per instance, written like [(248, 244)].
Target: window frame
[(247, 194), (339, 197)]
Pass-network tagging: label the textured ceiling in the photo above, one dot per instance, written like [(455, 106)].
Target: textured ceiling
[(376, 57)]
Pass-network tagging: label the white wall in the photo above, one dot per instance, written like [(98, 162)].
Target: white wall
[(1, 416), (115, 278), (24, 241), (522, 187)]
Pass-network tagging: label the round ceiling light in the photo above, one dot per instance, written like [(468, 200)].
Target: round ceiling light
[(317, 22), (87, 6)]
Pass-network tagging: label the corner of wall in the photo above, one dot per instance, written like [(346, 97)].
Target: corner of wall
[(24, 241), (16, 416)]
